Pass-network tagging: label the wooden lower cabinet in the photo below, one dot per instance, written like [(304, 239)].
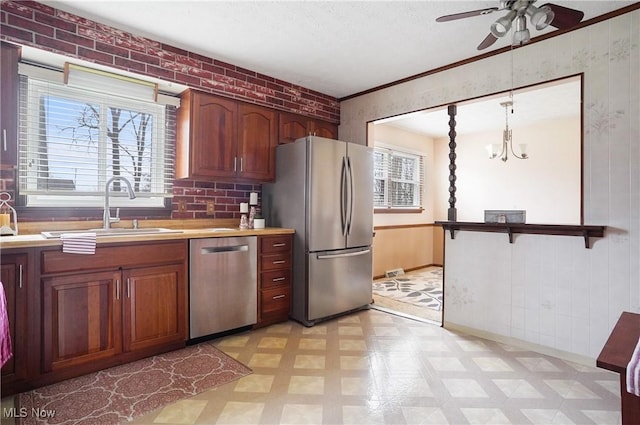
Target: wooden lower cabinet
[(14, 276), (119, 305), (81, 319), (274, 271), (153, 315)]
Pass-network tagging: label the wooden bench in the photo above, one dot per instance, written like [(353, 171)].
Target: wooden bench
[(615, 356)]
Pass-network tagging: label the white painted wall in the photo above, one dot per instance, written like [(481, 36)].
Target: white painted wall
[(546, 186), (547, 290)]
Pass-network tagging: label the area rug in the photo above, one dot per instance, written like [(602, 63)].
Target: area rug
[(419, 288), (119, 394)]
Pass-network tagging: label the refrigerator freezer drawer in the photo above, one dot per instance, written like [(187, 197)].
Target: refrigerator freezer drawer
[(339, 281)]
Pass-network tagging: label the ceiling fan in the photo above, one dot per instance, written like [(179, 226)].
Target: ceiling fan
[(517, 11)]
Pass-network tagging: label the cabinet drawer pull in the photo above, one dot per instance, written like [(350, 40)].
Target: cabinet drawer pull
[(20, 276), (117, 289), (128, 288), (277, 279), (4, 139), (277, 297), (278, 262), (278, 245)]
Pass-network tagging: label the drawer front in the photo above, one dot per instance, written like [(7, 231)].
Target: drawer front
[(275, 300), (271, 244), (107, 257), (275, 278), (275, 261)]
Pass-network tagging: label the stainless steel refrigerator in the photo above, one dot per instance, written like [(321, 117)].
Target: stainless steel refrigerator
[(324, 190)]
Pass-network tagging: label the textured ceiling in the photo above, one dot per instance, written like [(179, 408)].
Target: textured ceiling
[(335, 47)]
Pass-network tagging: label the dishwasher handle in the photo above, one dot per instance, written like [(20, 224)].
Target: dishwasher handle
[(221, 249)]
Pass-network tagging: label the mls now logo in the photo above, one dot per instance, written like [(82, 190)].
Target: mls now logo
[(23, 412)]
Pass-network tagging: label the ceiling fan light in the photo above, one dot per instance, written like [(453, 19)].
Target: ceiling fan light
[(540, 17), (521, 35), (502, 25)]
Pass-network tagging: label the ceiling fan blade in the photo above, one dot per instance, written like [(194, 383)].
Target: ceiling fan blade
[(488, 41), (469, 14), (565, 17)]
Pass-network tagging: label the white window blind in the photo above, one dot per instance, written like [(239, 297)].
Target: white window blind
[(398, 179), (72, 141)]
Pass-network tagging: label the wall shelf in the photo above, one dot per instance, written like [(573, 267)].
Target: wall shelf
[(586, 232)]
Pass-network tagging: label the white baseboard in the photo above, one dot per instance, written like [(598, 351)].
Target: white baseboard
[(518, 343)]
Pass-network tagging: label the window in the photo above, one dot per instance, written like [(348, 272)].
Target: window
[(72, 141), (398, 179)]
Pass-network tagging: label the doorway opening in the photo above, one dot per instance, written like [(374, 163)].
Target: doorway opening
[(416, 294)]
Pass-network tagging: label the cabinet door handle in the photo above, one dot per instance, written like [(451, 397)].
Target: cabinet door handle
[(241, 167), (278, 245), (20, 276), (128, 288), (235, 163), (277, 279), (278, 262), (117, 289), (277, 297), (4, 139)]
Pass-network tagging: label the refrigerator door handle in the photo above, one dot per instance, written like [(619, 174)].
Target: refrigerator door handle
[(343, 196), (348, 254), (350, 196)]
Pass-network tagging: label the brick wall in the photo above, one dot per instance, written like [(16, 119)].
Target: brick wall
[(38, 25)]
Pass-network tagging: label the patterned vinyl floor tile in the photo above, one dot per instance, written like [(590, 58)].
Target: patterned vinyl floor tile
[(372, 367)]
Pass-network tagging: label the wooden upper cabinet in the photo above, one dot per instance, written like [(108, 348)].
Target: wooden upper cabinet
[(207, 136), (294, 126), (219, 137), (256, 144), (10, 55), (324, 129)]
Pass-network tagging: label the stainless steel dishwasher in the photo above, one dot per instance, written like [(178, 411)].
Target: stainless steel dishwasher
[(222, 284)]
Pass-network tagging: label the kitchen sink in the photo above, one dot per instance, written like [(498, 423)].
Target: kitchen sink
[(110, 232)]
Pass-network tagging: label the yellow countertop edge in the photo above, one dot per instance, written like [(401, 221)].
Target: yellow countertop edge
[(37, 240)]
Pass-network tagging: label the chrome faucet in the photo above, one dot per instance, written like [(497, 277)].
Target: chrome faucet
[(106, 216)]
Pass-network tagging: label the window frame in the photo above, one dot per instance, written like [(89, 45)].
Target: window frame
[(81, 205), (389, 151)]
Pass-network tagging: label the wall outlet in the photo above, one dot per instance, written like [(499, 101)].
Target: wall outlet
[(210, 207), (182, 205)]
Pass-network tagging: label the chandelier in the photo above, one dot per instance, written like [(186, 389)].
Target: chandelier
[(502, 150)]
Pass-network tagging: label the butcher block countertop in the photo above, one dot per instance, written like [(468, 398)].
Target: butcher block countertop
[(30, 233)]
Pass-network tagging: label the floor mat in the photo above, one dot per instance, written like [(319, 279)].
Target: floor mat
[(422, 288), (119, 394)]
